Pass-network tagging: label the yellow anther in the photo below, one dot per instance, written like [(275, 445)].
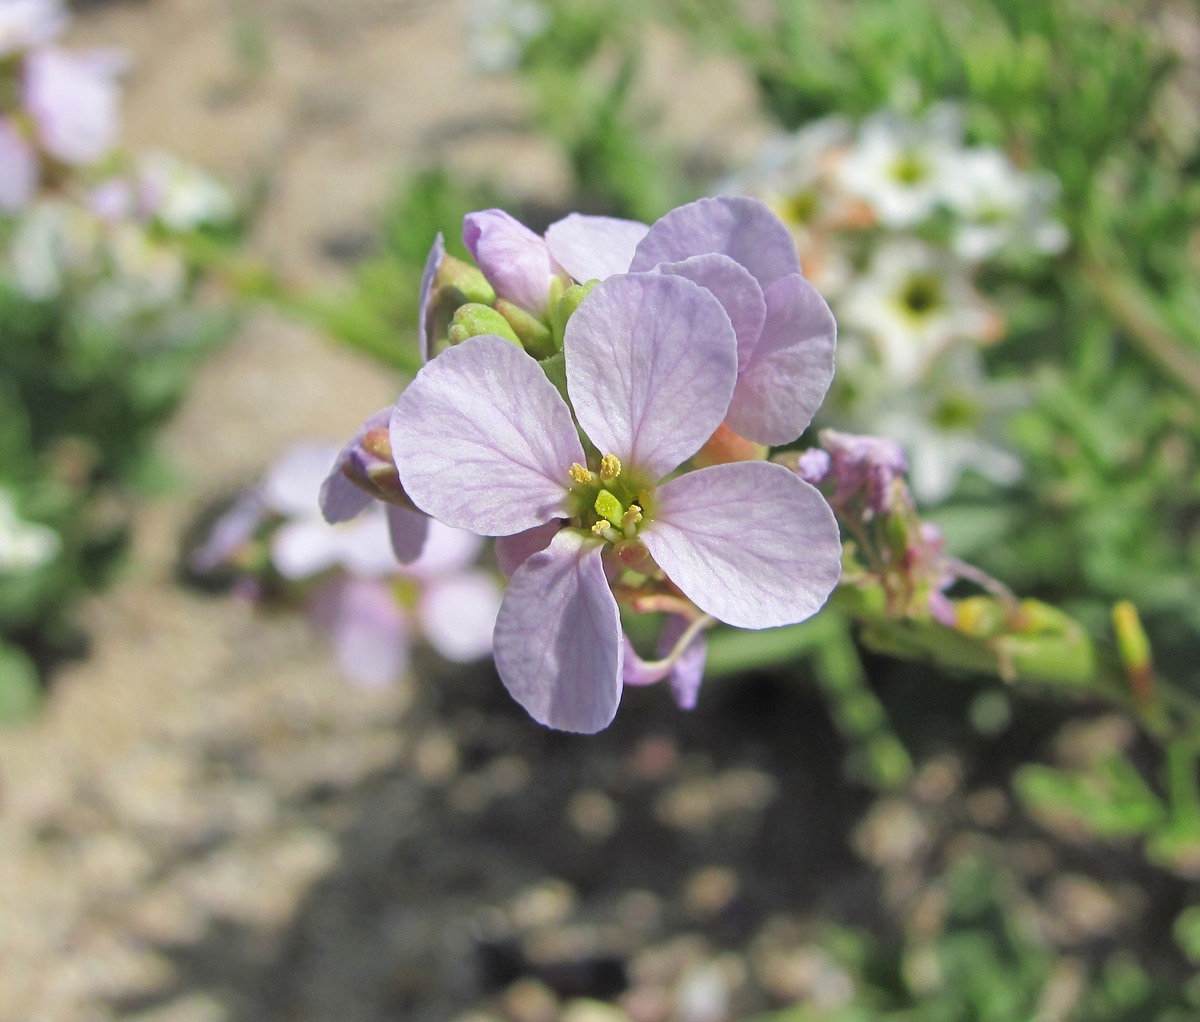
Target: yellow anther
[(579, 474), (631, 517), (600, 528), (610, 467)]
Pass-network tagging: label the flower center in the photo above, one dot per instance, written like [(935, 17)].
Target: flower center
[(910, 169), (922, 294), (608, 502)]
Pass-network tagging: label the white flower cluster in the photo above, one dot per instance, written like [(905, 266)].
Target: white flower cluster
[(115, 250), (894, 217), (500, 30), (24, 546)]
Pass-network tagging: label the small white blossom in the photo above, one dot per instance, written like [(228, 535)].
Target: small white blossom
[(900, 166), (24, 546), (181, 196), (1000, 206), (912, 303), (954, 423), (52, 242), (501, 29)]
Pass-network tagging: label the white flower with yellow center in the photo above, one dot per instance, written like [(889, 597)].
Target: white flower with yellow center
[(900, 166), (912, 303)]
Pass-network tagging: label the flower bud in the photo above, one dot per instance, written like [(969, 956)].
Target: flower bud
[(533, 333), (565, 304), (473, 320), (456, 275)]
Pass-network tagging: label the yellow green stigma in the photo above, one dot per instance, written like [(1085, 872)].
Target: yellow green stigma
[(609, 508)]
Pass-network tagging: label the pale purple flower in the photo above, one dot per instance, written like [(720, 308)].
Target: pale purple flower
[(73, 100), (18, 168), (683, 674), (856, 466), (364, 474), (370, 632), (484, 441), (359, 606), (515, 261), (28, 23), (738, 249), (306, 544)]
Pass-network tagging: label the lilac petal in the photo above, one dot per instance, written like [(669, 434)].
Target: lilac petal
[(407, 532), (365, 548), (749, 543), (458, 615), (340, 499), (74, 102), (651, 365), (594, 247), (784, 382), (558, 637), (513, 551), (684, 675), (736, 290), (688, 672), (293, 485), (515, 261), (18, 169), (483, 440), (370, 631), (229, 534), (432, 262), (744, 229), (446, 550), (638, 672), (302, 549)]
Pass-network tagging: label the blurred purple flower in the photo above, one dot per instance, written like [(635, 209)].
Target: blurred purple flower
[(371, 608), (741, 252), (484, 441), (18, 168), (28, 23), (73, 100), (857, 466)]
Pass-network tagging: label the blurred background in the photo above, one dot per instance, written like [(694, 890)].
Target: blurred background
[(214, 216)]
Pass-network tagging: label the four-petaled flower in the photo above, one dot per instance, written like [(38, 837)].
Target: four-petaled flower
[(484, 441)]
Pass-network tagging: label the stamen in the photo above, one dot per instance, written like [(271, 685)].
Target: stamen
[(580, 475), (610, 467), (605, 531), (629, 521)]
